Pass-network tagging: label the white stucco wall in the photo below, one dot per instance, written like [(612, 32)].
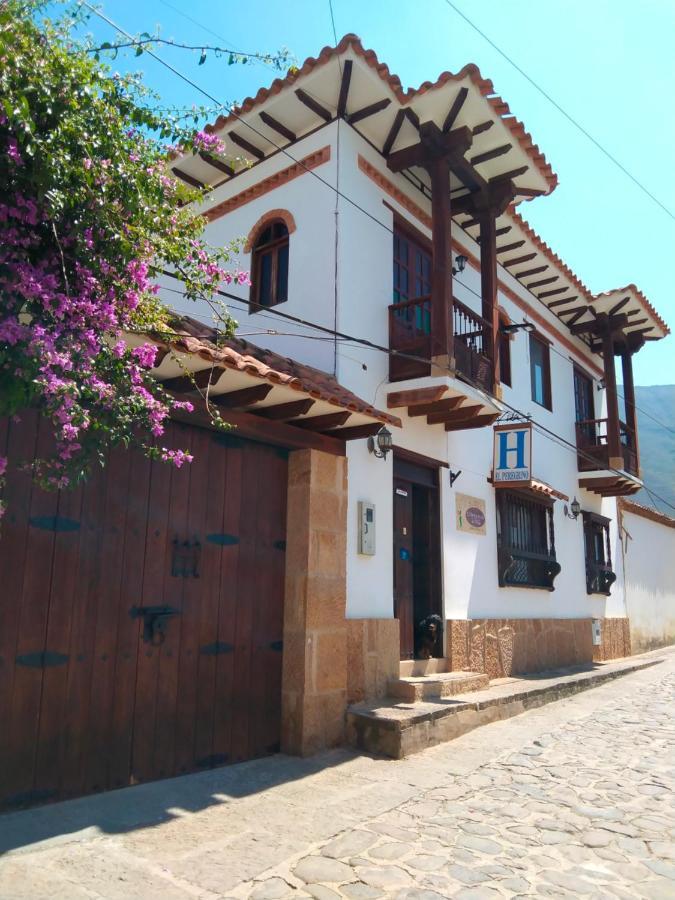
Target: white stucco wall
[(648, 572), (363, 244)]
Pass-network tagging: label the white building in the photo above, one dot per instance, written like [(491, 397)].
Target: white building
[(385, 238)]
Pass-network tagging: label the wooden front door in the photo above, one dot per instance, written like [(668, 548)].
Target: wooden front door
[(403, 565), (99, 690)]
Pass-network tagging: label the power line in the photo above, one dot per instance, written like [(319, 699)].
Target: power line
[(345, 197), (561, 110), (541, 429)]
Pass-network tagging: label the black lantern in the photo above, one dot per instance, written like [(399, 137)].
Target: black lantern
[(381, 444), (461, 264), (517, 326), (574, 510)]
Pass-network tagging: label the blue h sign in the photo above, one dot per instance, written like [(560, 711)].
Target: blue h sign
[(512, 454), (504, 449)]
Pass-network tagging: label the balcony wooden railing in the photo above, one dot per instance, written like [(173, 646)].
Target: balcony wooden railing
[(410, 334), (599, 577), (592, 440)]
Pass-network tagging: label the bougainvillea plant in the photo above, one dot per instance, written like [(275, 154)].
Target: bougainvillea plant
[(89, 217)]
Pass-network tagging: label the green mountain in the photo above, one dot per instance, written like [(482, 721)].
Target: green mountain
[(657, 443)]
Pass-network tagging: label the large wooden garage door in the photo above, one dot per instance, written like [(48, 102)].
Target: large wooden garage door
[(93, 694)]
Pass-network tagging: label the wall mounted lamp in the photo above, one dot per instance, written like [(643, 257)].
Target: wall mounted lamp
[(381, 444), (574, 510), (517, 326), (601, 385), (461, 264)]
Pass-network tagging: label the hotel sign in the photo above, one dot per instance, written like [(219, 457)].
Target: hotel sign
[(512, 455)]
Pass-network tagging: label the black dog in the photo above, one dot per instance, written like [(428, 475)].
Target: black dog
[(428, 637)]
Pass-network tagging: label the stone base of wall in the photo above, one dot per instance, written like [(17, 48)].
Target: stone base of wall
[(373, 651), (616, 640), (504, 647)]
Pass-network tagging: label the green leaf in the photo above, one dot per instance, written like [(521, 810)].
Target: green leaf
[(202, 58)]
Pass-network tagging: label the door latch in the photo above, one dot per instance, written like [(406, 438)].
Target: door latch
[(155, 619)]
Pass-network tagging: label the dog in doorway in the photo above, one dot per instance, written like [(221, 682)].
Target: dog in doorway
[(428, 637)]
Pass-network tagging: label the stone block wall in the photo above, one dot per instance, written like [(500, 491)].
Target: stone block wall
[(616, 641), (314, 677), (373, 651), (505, 647)]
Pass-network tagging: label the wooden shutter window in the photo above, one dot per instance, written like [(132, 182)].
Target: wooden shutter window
[(269, 267), (540, 372), (525, 541)]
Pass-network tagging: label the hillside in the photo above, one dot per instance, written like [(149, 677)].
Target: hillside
[(657, 445)]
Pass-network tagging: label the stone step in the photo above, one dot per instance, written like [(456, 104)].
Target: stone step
[(412, 667), (437, 686), (395, 728)]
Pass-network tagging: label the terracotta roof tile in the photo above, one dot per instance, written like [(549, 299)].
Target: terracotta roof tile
[(484, 85), (642, 300), (235, 353), (646, 512)]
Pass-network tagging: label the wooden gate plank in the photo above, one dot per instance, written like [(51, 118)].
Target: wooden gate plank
[(21, 441), (27, 688), (97, 753), (82, 639), (49, 761), (194, 598), (223, 707), (126, 656), (157, 563), (215, 459)]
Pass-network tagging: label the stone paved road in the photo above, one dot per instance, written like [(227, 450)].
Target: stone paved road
[(571, 800)]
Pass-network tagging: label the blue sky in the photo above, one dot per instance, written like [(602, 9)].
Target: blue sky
[(609, 63)]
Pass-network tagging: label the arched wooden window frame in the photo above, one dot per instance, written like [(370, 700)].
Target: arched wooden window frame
[(268, 220)]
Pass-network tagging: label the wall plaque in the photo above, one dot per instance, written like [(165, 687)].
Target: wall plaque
[(470, 514)]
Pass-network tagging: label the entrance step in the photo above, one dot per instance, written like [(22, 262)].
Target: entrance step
[(412, 667), (395, 728), (436, 686)]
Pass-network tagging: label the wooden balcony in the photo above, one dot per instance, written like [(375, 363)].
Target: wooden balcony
[(594, 455), (410, 335), (599, 577)]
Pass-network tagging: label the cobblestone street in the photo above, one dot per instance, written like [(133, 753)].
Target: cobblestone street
[(572, 799)]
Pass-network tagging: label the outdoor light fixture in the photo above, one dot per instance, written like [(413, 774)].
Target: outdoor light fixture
[(574, 510), (517, 326), (601, 384), (381, 444), (461, 264)]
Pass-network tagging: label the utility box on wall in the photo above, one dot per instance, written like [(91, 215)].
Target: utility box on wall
[(596, 625), (366, 528)]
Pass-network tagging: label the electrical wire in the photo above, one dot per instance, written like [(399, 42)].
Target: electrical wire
[(331, 187), (334, 188), (560, 109), (541, 429)]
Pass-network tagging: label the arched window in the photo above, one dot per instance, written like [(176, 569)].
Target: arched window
[(269, 266)]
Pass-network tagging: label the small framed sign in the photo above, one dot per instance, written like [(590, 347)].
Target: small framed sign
[(470, 514), (512, 454)]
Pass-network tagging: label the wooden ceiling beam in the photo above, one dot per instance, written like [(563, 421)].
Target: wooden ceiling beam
[(286, 410), (344, 88), (611, 324), (356, 432), (507, 247), (444, 405), (567, 312), (216, 163), (455, 109), (575, 318), (529, 192), (542, 282), (196, 381), (390, 140), (324, 422), (551, 293), (432, 145), (529, 272), (314, 105), (277, 126), (243, 397), (246, 145), (415, 396), (463, 414), (619, 305), (519, 259), (509, 176), (563, 301), (490, 154), (483, 126), (188, 179), (367, 111)]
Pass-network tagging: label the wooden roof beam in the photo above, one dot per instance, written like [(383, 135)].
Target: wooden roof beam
[(314, 105), (483, 126), (246, 145), (563, 301), (542, 282), (463, 414), (490, 154), (519, 259), (509, 176), (367, 111), (619, 305), (344, 88), (277, 126), (188, 179), (611, 324), (455, 109), (216, 163), (356, 432), (243, 397), (552, 293), (415, 396), (445, 405), (507, 247), (286, 410), (480, 421), (196, 381), (529, 272), (323, 423), (432, 145)]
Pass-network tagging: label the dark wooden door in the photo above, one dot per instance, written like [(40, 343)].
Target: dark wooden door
[(403, 565), (87, 704)]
